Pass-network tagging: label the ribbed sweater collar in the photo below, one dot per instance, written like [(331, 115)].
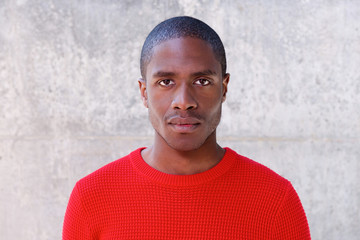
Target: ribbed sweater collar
[(182, 180)]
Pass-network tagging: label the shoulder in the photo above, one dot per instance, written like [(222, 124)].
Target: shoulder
[(259, 185), (252, 173), (108, 175)]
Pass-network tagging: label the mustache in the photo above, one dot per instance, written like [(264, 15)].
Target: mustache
[(189, 116)]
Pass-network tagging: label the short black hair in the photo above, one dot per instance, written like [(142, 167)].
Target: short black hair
[(178, 27)]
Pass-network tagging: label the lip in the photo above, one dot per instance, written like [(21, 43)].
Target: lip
[(184, 121), (184, 124)]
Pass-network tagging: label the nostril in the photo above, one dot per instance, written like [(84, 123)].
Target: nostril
[(183, 99)]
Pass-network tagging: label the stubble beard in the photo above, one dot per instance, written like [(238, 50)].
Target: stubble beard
[(180, 146)]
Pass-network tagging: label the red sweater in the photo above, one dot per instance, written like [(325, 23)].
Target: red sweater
[(236, 199)]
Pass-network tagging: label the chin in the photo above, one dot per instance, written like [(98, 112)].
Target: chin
[(185, 145), (186, 142), (184, 148)]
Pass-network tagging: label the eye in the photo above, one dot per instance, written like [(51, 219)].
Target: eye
[(202, 82), (166, 82)]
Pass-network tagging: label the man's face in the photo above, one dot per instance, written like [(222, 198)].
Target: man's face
[(184, 90)]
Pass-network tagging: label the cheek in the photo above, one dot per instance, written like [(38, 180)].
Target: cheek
[(212, 102), (158, 103)]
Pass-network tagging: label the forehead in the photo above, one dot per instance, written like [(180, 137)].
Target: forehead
[(183, 54)]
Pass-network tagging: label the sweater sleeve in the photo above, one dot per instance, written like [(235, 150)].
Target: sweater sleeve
[(76, 225), (290, 221)]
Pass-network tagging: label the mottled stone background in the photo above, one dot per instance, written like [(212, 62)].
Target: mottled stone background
[(69, 99)]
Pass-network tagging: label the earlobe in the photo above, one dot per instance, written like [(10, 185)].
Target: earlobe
[(225, 83), (142, 87)]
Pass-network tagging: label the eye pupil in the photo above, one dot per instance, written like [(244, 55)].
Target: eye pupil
[(203, 81), (165, 82)]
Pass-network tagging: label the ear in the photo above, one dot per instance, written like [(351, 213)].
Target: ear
[(142, 86), (225, 83)]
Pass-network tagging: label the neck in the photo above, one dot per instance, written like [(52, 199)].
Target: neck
[(172, 161)]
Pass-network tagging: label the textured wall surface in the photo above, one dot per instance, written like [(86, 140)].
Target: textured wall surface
[(69, 99)]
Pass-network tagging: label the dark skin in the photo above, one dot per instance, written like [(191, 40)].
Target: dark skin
[(184, 91)]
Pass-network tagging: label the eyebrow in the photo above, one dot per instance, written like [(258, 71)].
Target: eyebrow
[(207, 72), (164, 74)]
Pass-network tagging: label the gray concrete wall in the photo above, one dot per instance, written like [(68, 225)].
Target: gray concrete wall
[(69, 100)]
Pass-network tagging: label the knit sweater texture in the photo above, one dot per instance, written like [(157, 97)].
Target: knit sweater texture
[(236, 199)]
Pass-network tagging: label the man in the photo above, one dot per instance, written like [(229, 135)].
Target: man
[(185, 186)]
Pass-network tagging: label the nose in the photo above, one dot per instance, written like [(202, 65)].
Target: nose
[(183, 99)]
